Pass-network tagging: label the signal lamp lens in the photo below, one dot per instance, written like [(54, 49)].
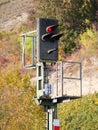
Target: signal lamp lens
[(49, 29)]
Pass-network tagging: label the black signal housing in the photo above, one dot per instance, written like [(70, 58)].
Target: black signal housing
[(48, 37)]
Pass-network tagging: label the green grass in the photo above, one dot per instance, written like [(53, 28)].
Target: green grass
[(79, 114)]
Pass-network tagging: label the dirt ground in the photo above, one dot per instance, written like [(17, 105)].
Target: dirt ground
[(13, 12)]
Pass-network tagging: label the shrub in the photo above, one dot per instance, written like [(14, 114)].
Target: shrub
[(90, 41), (79, 114)]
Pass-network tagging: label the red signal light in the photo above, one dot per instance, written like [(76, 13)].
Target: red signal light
[(51, 28)]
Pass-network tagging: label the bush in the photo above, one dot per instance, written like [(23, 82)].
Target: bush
[(17, 109), (89, 40), (79, 114)]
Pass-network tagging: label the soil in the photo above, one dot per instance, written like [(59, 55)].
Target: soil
[(14, 12)]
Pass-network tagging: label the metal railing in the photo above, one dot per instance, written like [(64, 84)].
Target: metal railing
[(29, 49), (67, 79)]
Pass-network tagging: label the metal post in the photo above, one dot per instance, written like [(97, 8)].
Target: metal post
[(55, 111), (51, 115), (50, 118), (33, 50), (40, 80), (81, 79), (57, 79), (23, 49), (62, 76)]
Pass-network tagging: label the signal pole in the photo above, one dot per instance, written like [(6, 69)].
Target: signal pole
[(47, 41), (51, 115)]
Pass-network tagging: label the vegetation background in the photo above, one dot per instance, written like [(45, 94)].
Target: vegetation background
[(78, 21)]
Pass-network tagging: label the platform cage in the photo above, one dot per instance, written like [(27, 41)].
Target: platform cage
[(29, 49), (65, 78)]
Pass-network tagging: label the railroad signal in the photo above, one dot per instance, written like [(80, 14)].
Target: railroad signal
[(48, 39)]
